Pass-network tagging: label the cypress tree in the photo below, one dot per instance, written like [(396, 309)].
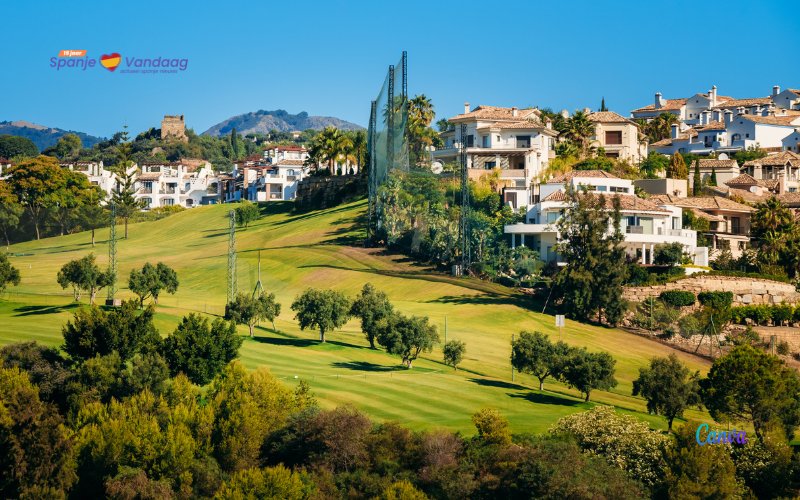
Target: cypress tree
[(234, 144), (603, 105), (697, 183), (713, 180)]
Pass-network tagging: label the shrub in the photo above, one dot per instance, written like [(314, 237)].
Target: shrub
[(781, 314), (716, 300), (678, 298), (783, 348), (668, 254)]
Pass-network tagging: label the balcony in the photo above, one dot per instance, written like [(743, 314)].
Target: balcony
[(521, 228)]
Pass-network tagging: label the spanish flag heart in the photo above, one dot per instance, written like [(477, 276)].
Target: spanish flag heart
[(110, 61)]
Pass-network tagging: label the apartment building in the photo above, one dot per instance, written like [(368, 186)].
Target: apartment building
[(618, 136), (96, 172), (644, 223), (516, 142), (161, 184)]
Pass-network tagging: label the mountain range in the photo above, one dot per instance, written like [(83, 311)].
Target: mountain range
[(43, 136), (262, 122)]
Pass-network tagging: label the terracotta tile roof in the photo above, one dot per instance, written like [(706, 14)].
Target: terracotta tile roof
[(664, 199), (608, 117), (776, 160), (582, 173), (790, 199), (159, 163), (794, 91), (746, 103), (787, 120), (743, 180), (523, 124), (714, 125), (629, 203), (712, 203), (712, 162), (744, 194), (290, 161), (708, 217), (556, 196), (497, 113), (148, 176), (682, 136), (671, 105)]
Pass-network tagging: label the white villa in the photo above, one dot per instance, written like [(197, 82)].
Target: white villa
[(644, 223), (271, 177), (618, 136), (162, 184), (97, 174), (517, 142)]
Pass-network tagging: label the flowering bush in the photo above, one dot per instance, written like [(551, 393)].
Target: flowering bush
[(622, 440)]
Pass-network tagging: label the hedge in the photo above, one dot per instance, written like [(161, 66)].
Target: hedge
[(678, 298), (764, 313), (716, 300)]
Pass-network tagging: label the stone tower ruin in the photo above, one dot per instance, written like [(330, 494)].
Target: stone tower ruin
[(173, 128)]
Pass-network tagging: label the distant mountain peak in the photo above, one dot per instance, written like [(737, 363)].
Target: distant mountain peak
[(262, 121), (42, 135)]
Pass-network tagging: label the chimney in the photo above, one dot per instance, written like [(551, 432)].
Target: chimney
[(717, 115), (776, 90), (740, 110), (659, 100), (466, 108), (514, 112), (587, 111), (712, 95), (728, 117), (674, 131)]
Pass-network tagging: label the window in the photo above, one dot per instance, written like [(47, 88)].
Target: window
[(735, 225), (147, 201), (486, 141), (616, 189), (602, 188), (167, 202), (614, 137), (498, 138), (552, 217), (489, 165), (676, 223), (523, 141), (470, 141), (747, 135)]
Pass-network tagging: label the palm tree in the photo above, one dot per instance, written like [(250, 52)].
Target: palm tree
[(578, 130), (420, 133), (358, 139)]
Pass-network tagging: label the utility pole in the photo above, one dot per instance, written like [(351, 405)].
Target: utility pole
[(232, 258), (512, 364), (259, 289), (112, 255)]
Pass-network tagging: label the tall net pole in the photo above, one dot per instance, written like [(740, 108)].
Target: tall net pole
[(112, 254), (464, 221), (232, 258), (390, 122), (372, 181)]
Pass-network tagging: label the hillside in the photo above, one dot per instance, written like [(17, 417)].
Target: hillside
[(261, 122), (311, 250), (43, 136)]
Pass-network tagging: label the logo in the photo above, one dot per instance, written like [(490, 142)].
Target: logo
[(110, 61), (719, 437), (72, 59)]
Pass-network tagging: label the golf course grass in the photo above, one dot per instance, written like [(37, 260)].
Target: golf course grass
[(322, 249)]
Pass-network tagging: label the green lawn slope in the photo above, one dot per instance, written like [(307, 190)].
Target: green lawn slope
[(322, 249)]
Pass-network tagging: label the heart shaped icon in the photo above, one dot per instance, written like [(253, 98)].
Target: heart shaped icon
[(110, 61)]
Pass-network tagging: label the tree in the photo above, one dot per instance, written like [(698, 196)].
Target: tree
[(492, 427), (77, 192), (37, 183), (668, 254), (712, 181), (68, 147), (123, 198), (420, 133), (329, 145), (591, 282), (748, 384), (9, 275), (83, 275), (91, 215), (12, 146), (371, 306), (407, 337), (653, 164), (578, 130), (199, 350), (151, 280), (324, 310), (249, 310), (677, 167), (668, 386), (246, 213), (36, 450), (270, 483), (697, 183), (533, 353), (587, 371), (10, 210), (454, 351), (603, 104), (94, 332), (234, 144)]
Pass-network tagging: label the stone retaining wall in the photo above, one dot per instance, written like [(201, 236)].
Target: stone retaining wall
[(745, 290)]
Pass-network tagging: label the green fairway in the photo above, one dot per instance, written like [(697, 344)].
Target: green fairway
[(321, 249)]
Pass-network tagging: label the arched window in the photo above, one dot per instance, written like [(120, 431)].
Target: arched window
[(736, 137)]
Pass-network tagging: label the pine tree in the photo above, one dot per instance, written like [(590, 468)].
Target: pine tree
[(696, 182), (123, 198), (590, 285)]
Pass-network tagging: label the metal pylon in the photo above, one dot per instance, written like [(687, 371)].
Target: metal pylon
[(112, 254), (259, 289), (232, 258)]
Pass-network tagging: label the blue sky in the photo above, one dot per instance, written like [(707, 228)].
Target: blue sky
[(329, 57)]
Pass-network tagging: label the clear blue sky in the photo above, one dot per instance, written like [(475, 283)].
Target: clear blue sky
[(329, 57)]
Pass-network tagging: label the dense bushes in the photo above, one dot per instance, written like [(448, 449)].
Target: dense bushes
[(763, 314), (678, 298), (716, 300)]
